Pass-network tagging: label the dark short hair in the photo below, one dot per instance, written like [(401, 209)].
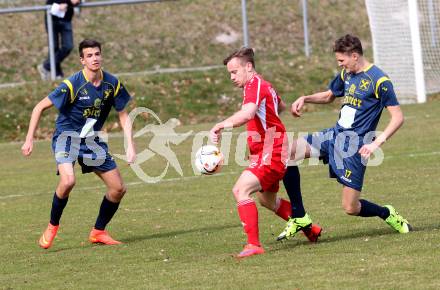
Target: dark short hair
[(348, 44), (86, 43), (245, 54)]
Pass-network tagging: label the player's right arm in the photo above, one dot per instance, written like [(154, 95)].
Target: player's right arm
[(238, 119), (317, 98), (44, 104)]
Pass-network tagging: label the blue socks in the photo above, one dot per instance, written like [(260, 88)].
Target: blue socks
[(292, 183), (58, 206), (369, 209), (106, 213)]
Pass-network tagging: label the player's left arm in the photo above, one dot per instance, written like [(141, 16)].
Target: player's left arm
[(238, 119), (127, 127), (388, 99), (395, 123)]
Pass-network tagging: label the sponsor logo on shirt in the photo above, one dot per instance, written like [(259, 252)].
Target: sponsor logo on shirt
[(352, 89), (355, 102)]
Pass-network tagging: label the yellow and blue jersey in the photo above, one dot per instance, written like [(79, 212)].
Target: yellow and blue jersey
[(79, 101), (365, 95)]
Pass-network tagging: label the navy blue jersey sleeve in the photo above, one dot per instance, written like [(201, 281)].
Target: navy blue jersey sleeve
[(337, 86), (387, 95), (60, 97), (122, 97)]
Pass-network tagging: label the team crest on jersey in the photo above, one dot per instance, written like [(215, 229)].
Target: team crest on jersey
[(97, 103), (84, 92), (352, 89), (107, 93), (364, 85)]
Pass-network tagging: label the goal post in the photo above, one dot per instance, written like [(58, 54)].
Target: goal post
[(406, 45)]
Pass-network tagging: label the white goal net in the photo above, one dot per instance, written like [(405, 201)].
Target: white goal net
[(406, 45)]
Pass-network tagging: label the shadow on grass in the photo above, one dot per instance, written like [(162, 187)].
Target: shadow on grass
[(136, 238), (299, 240), (148, 236), (325, 238)]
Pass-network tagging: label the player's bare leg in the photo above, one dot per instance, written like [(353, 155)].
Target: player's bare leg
[(299, 151), (350, 201), (247, 184), (110, 203), (115, 185), (67, 180), (267, 199)]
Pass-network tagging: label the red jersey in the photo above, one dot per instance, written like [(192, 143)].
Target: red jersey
[(266, 124)]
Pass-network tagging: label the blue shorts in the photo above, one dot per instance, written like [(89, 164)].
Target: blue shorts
[(340, 151), (91, 153)]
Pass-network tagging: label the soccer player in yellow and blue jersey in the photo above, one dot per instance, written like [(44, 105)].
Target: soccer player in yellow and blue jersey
[(347, 146), (84, 101)]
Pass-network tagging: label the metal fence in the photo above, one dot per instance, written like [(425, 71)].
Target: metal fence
[(51, 45), (50, 32)]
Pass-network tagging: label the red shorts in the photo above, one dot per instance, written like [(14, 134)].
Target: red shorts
[(268, 172)]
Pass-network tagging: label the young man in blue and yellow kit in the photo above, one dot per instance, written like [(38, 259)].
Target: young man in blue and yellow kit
[(348, 145), (84, 101)]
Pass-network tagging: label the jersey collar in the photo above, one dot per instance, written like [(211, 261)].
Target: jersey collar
[(367, 68), (101, 75)]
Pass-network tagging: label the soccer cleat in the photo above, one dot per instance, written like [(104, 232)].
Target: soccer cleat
[(102, 237), (312, 233), (47, 237), (293, 226), (250, 250), (397, 222)]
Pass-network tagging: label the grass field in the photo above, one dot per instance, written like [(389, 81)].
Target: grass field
[(180, 233)]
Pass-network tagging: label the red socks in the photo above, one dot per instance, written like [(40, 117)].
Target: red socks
[(283, 209), (247, 210)]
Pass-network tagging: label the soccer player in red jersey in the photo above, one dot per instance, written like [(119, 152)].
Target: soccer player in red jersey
[(268, 146)]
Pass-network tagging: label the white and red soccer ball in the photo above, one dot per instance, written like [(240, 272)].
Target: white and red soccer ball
[(208, 159)]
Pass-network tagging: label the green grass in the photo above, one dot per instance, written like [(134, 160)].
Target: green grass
[(180, 234)]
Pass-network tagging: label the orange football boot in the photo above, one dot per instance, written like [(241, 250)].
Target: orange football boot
[(102, 237), (47, 237)]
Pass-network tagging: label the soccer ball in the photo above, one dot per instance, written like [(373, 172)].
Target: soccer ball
[(209, 159)]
